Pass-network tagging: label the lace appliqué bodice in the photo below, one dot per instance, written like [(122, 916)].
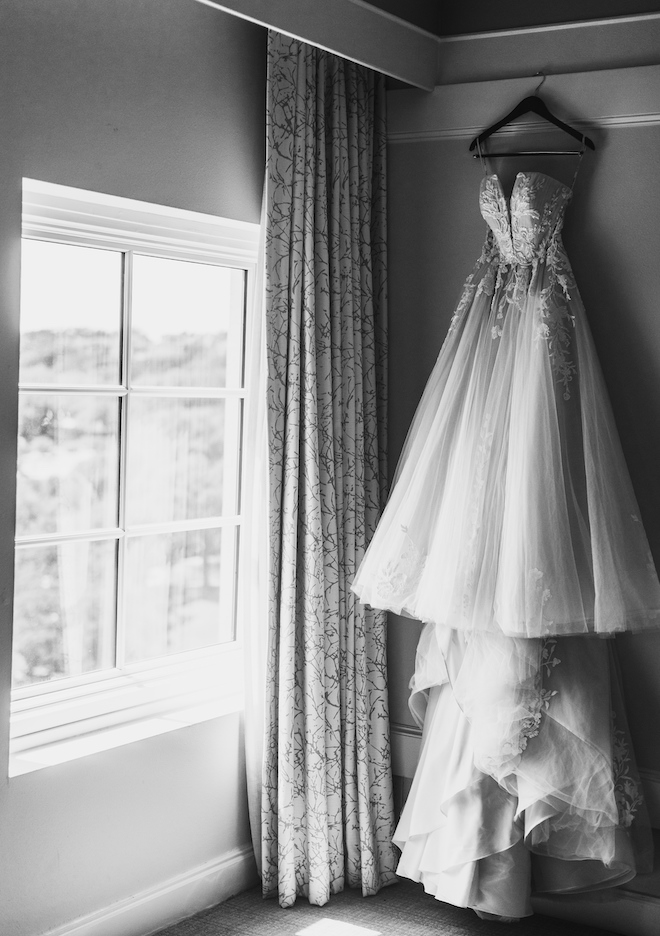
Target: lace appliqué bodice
[(524, 245), (526, 226)]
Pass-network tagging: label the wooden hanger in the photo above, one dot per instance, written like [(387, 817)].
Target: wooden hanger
[(533, 104)]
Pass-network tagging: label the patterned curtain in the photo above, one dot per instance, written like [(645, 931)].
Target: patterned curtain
[(327, 816)]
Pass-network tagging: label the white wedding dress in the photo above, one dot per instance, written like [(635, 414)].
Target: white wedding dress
[(513, 532)]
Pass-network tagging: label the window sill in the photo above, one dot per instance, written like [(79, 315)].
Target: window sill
[(108, 712)]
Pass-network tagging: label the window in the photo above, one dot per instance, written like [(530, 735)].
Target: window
[(131, 426)]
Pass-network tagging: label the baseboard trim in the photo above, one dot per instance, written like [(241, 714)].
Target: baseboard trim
[(612, 910), (171, 901)]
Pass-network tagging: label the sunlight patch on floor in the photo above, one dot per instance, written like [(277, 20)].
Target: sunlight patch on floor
[(328, 927)]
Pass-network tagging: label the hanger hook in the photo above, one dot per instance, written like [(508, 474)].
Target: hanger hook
[(538, 87)]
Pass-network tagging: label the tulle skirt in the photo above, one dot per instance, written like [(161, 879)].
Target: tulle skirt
[(548, 799), (512, 509)]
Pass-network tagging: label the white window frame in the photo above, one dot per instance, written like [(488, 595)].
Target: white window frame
[(69, 717)]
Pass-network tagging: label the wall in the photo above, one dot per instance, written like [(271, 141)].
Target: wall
[(162, 101), (435, 235)]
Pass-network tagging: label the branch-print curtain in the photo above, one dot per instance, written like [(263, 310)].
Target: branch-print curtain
[(327, 816)]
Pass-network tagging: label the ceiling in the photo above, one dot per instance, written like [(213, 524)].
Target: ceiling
[(452, 18)]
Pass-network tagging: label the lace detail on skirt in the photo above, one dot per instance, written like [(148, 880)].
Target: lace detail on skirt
[(400, 577), (627, 790), (531, 725)]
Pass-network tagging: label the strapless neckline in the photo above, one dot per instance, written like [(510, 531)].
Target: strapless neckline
[(494, 177)]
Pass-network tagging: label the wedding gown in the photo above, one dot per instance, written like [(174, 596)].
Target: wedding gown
[(513, 532)]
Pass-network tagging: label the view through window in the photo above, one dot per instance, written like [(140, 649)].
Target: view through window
[(131, 402)]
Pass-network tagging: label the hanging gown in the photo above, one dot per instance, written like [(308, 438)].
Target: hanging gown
[(513, 532)]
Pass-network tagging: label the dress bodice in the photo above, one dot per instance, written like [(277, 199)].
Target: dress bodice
[(524, 227)]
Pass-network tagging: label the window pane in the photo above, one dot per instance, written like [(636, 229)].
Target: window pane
[(70, 314), (64, 610), (179, 592), (182, 459), (68, 461), (187, 321)]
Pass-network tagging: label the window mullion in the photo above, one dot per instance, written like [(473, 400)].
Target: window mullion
[(126, 364), (77, 536), (72, 389)]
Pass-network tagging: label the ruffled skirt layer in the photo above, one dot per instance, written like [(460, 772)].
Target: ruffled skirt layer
[(549, 800)]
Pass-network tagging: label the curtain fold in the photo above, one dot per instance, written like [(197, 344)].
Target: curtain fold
[(254, 534), (327, 812)]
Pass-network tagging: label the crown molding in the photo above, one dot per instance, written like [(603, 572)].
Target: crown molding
[(618, 21), (624, 98)]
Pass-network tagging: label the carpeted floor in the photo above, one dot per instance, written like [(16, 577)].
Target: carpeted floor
[(401, 910)]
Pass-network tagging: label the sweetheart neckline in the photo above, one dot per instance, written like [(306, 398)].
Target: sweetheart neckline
[(523, 172)]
